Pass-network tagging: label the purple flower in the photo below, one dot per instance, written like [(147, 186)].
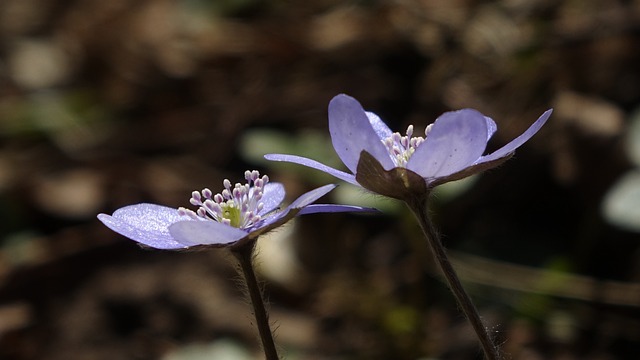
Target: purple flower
[(233, 217), (398, 165)]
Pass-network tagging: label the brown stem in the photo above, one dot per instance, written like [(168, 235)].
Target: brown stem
[(419, 209), (244, 255)]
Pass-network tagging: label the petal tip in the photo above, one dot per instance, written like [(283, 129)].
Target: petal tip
[(343, 97)]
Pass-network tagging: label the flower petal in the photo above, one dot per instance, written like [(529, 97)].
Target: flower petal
[(491, 127), (313, 164), (147, 224), (517, 142), (381, 129), (351, 132), (311, 196), (456, 140), (281, 217), (331, 208), (192, 233), (272, 196)]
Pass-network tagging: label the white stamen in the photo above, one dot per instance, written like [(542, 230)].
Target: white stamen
[(402, 147), (236, 206)]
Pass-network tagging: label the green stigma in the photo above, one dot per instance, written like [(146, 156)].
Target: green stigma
[(231, 213)]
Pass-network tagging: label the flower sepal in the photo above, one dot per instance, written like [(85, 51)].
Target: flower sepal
[(398, 183)]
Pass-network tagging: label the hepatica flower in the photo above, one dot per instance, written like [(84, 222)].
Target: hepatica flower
[(233, 217), (407, 167), (400, 166)]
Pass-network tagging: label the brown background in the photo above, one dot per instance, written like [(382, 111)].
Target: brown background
[(109, 103)]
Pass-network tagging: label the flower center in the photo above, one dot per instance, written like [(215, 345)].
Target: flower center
[(402, 147), (238, 206)]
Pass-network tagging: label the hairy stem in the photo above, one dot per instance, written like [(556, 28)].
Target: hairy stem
[(419, 209), (244, 255)]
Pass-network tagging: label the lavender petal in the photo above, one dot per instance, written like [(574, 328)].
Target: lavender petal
[(313, 164), (272, 221), (272, 196), (456, 140), (378, 125), (311, 196), (147, 224), (192, 233), (491, 127), (351, 132), (331, 208), (517, 142), (295, 208)]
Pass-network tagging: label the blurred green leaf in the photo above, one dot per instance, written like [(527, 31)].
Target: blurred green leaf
[(402, 320), (74, 120), (353, 195), (451, 190), (537, 303)]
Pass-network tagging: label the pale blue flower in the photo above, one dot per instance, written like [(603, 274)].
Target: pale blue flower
[(452, 148), (233, 217)]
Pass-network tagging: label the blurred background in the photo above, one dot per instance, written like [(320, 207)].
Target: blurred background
[(110, 103)]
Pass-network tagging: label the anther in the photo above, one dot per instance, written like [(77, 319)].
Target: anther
[(207, 193)]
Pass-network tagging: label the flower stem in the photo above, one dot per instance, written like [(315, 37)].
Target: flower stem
[(244, 255), (419, 209)]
